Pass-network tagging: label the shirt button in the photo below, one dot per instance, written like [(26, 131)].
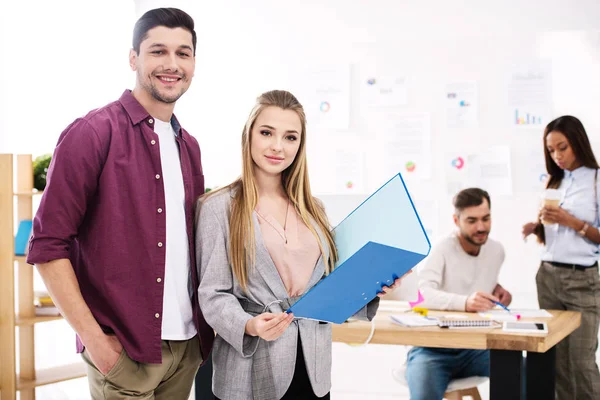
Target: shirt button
[(158, 280), (150, 121), (153, 142), (159, 210), (159, 244), (157, 315), (157, 176)]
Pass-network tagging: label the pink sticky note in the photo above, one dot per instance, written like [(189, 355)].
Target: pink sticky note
[(420, 299)]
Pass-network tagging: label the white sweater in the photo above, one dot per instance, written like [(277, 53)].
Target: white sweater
[(450, 274)]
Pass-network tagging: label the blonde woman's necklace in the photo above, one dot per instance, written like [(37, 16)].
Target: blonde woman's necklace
[(284, 236)]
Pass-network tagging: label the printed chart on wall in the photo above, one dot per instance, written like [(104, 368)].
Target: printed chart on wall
[(532, 176), (336, 165), (325, 95), (455, 168), (381, 88), (462, 106), (403, 144), (530, 95), (489, 169)]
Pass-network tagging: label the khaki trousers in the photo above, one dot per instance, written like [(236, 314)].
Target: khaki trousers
[(129, 379), (577, 375)]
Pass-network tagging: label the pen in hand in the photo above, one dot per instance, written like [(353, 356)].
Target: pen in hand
[(500, 304)]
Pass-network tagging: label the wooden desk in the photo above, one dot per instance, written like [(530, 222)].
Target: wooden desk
[(507, 367)]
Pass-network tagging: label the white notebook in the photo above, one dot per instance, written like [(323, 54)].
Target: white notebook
[(413, 320), (467, 323)]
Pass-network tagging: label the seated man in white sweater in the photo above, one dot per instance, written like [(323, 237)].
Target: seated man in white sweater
[(460, 274)]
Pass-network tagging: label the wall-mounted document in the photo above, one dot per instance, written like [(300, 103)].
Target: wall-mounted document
[(491, 170), (462, 105), (325, 95), (381, 87), (402, 143), (530, 95), (379, 241), (336, 166)]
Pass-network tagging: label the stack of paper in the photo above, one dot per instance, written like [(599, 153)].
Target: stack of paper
[(497, 316), (531, 313), (503, 315), (413, 320)]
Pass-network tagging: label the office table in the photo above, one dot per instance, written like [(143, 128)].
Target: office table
[(508, 372)]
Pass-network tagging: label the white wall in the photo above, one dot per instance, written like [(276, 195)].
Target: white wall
[(53, 71), (60, 59)]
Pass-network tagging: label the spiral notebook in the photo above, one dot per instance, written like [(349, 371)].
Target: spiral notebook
[(467, 323)]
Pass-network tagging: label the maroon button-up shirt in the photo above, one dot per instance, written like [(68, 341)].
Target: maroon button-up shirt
[(104, 209)]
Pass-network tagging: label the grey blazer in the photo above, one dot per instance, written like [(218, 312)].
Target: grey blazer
[(246, 367)]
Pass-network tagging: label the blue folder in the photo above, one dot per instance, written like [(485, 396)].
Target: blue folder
[(22, 237), (381, 240)]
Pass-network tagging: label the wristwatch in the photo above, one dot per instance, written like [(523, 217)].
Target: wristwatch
[(583, 230)]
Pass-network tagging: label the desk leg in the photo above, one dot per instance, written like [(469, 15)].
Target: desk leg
[(203, 382), (506, 375), (541, 370)]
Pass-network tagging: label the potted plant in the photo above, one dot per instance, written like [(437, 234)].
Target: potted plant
[(40, 169)]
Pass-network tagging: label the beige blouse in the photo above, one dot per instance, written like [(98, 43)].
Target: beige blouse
[(295, 260)]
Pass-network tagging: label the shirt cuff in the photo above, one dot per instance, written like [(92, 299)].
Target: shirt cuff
[(459, 303), (45, 250)]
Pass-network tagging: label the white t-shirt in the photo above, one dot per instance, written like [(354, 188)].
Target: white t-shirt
[(451, 274), (177, 317)]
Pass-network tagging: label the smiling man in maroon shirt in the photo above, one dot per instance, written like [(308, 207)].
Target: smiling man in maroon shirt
[(113, 236)]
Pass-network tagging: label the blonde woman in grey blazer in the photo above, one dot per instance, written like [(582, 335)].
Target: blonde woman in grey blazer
[(252, 267)]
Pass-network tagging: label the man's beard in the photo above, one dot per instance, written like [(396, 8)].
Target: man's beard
[(153, 90), (472, 241)]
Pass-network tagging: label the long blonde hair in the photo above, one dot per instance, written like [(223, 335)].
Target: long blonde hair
[(242, 250)]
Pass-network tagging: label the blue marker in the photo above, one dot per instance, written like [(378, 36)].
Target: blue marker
[(506, 308), (501, 305)]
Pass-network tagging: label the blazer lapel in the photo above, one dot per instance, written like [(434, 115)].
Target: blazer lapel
[(319, 270), (264, 263)]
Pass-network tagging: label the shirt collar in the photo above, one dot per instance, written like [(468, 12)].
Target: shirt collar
[(577, 173), (137, 113)]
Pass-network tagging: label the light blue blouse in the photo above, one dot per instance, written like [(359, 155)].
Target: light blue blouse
[(563, 244)]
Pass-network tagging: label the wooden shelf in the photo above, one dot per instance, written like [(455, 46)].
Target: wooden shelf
[(25, 321), (32, 193), (53, 375), (17, 289), (22, 259)]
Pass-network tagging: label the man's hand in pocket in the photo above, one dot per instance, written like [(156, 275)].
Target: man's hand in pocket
[(104, 352)]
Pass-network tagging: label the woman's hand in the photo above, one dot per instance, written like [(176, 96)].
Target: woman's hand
[(269, 326), (557, 215), (528, 229), (396, 284)]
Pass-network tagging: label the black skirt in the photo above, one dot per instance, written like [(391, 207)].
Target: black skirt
[(300, 388)]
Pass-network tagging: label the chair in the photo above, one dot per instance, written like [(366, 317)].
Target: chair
[(457, 388)]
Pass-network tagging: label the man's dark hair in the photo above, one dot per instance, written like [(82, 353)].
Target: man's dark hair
[(169, 17), (470, 197)]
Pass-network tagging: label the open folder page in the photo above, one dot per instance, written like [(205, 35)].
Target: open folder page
[(381, 240)]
